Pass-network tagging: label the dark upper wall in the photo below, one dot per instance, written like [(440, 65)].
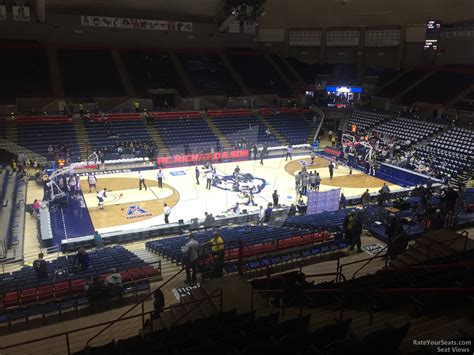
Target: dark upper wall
[(67, 29), (281, 13)]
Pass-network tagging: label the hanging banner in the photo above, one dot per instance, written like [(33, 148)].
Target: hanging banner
[(21, 13), (135, 24), (3, 13), (320, 201), (234, 27)]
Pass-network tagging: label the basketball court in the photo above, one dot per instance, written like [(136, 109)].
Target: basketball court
[(126, 207)]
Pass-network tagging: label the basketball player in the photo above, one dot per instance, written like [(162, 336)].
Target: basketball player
[(100, 196), (92, 180), (141, 181)]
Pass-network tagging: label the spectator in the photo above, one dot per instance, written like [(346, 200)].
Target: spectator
[(41, 267), (292, 210), (343, 201), (261, 216), (96, 290), (356, 232), (438, 220), (275, 198), (36, 207), (190, 251), (158, 303), (347, 226), (207, 221), (113, 280), (268, 213), (217, 247), (99, 243), (365, 199), (81, 259)]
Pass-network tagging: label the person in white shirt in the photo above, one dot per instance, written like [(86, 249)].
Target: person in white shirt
[(100, 196), (141, 180), (261, 215), (160, 177), (191, 254), (209, 177), (167, 211), (92, 180)]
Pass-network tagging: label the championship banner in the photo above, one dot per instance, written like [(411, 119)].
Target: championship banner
[(3, 13), (135, 24), (203, 157), (323, 201), (21, 13)]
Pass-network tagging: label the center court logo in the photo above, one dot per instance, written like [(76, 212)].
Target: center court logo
[(239, 183), (136, 212)]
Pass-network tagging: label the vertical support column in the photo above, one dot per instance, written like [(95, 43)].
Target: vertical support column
[(360, 53), (401, 48), (322, 47), (55, 73)]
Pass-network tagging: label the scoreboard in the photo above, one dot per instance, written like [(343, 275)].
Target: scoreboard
[(432, 35), (433, 32)]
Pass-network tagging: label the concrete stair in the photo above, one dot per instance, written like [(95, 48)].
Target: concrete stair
[(11, 133), (297, 75), (217, 132), (277, 134), (188, 310), (155, 135), (423, 249), (296, 90), (123, 72), (460, 95), (56, 81), (391, 81), (192, 91), (400, 95), (233, 73), (82, 137)]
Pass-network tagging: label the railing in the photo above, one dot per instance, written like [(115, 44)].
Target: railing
[(199, 302), (271, 292), (141, 302), (67, 335), (386, 255), (415, 291)]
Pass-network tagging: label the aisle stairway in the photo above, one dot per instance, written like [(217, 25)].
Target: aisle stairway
[(282, 140), (235, 75), (400, 95), (155, 135), (55, 72), (431, 245), (123, 72), (294, 88), (182, 74), (11, 133), (82, 137), (223, 141)]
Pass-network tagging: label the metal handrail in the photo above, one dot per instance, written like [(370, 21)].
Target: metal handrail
[(199, 302), (66, 334), (369, 260), (134, 306)]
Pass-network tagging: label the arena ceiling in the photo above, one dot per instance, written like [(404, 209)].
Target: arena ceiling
[(282, 13)]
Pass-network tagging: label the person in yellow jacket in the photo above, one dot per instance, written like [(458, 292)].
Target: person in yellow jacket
[(217, 248)]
